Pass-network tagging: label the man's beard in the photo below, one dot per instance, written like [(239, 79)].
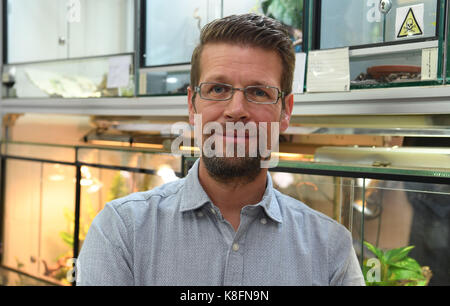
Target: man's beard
[(236, 169), (228, 168)]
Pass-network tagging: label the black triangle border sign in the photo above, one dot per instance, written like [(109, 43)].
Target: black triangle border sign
[(403, 23)]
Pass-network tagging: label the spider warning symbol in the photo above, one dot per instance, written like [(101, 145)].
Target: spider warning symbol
[(409, 21)]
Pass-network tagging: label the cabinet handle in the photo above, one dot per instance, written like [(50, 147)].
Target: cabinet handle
[(385, 6), (61, 41)]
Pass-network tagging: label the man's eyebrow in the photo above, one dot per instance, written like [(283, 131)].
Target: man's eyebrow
[(223, 79), (260, 83), (218, 78)]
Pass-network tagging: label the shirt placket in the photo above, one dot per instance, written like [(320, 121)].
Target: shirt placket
[(234, 267)]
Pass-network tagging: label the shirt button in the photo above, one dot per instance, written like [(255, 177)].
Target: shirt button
[(235, 247), (263, 220), (213, 211), (200, 214)]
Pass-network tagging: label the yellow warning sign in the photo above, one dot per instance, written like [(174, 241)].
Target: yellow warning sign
[(410, 26)]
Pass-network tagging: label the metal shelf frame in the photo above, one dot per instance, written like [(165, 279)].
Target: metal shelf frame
[(381, 101), (374, 101)]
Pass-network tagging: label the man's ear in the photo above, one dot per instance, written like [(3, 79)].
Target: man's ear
[(191, 106), (287, 112)]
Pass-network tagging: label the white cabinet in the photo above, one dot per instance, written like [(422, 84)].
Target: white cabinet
[(106, 27), (173, 28), (35, 30), (41, 30)]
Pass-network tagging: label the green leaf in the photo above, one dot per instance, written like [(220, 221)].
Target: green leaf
[(67, 238), (383, 283), (408, 264), (402, 274), (395, 255), (289, 12), (377, 252), (265, 5), (422, 282)]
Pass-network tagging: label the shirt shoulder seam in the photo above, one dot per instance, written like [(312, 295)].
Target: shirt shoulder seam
[(304, 208), (150, 194)]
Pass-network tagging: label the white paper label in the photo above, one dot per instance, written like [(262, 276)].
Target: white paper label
[(142, 83), (328, 70), (299, 73), (429, 64), (119, 72)]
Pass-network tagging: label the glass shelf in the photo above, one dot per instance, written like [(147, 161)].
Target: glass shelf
[(354, 170), (366, 171)]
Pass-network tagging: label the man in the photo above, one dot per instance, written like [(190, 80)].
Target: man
[(224, 224)]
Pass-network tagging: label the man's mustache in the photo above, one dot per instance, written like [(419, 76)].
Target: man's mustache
[(221, 130)]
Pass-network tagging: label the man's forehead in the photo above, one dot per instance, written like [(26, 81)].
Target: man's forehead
[(216, 51), (242, 46)]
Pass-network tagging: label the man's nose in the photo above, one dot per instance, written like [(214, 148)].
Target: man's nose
[(237, 107)]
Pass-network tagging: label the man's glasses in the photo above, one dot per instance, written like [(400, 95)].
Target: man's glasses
[(259, 94)]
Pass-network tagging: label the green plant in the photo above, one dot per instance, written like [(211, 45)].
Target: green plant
[(289, 12), (395, 268), (118, 188), (59, 269)]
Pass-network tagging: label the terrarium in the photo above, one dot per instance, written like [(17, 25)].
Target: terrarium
[(43, 228), (109, 174), (39, 189), (78, 78), (394, 209), (171, 32), (391, 42)]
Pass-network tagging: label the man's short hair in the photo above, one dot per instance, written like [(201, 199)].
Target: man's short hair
[(248, 30)]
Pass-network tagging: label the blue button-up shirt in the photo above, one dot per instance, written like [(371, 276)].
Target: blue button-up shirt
[(175, 235)]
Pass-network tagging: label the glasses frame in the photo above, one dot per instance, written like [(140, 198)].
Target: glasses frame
[(280, 94)]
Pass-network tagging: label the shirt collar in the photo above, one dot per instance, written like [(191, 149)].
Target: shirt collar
[(194, 196)]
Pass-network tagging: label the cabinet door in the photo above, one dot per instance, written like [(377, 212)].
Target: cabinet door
[(36, 30), (173, 29), (104, 27), (231, 7), (421, 19), (22, 216), (350, 22), (361, 22)]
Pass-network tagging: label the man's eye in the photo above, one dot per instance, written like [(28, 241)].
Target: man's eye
[(259, 92), (217, 89)]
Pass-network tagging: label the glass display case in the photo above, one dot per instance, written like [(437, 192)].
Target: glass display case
[(66, 186), (388, 207), (387, 213), (36, 208), (77, 78), (117, 174), (172, 80), (391, 42), (165, 55)]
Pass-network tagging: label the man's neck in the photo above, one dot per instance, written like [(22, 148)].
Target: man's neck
[(230, 197)]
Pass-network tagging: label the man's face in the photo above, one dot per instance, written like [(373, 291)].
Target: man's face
[(239, 66)]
